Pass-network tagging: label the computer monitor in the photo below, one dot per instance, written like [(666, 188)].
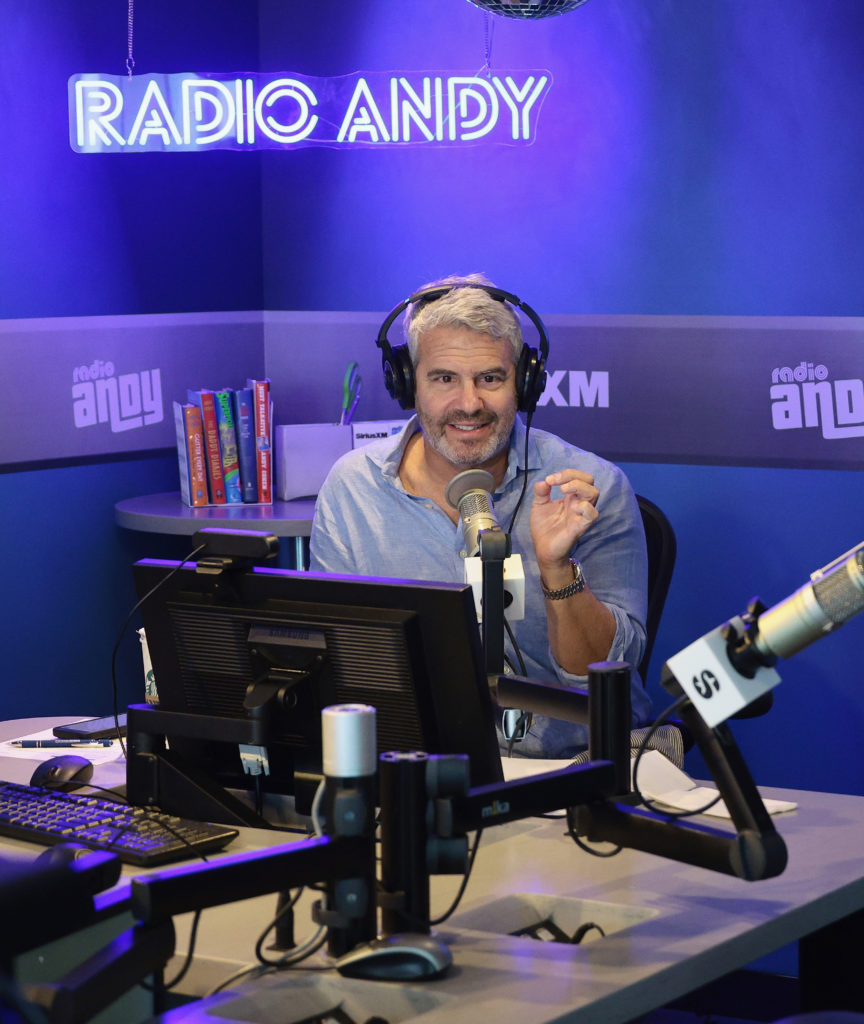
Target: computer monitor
[(266, 649)]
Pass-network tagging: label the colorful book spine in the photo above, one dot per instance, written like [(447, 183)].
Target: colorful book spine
[(205, 400), (228, 446), (190, 454), (263, 422), (244, 424)]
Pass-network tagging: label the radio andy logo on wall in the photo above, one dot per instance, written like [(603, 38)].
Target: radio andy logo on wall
[(803, 397), (125, 401)]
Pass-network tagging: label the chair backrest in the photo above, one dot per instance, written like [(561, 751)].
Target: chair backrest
[(662, 549)]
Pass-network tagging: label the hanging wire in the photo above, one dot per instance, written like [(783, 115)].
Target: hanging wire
[(130, 26), (488, 33)]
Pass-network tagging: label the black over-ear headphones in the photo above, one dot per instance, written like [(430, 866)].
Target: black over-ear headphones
[(399, 371)]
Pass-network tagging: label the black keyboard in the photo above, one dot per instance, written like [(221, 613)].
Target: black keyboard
[(138, 836)]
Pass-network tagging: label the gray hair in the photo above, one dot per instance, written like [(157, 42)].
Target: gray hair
[(465, 305)]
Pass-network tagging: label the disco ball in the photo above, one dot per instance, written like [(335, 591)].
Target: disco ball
[(528, 9)]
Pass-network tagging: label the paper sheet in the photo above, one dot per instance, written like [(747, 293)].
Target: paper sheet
[(659, 780), (96, 755), (663, 783)]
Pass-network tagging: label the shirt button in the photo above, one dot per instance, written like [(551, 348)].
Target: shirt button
[(463, 553)]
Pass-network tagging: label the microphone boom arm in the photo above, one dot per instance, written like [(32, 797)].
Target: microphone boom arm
[(755, 851)]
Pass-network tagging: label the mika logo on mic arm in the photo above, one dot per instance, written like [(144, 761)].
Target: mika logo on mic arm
[(530, 367)]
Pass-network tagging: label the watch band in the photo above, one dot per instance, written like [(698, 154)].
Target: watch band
[(576, 587)]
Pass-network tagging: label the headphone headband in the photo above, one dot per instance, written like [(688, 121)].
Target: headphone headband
[(399, 370)]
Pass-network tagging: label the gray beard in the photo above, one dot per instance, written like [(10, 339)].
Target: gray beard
[(434, 436)]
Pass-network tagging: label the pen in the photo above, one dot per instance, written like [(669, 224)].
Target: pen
[(38, 744), (350, 393)]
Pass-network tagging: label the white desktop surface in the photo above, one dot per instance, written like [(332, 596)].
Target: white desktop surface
[(704, 925)]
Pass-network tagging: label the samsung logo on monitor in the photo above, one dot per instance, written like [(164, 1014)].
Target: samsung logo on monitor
[(198, 112)]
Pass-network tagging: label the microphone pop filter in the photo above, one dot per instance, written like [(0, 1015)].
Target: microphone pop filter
[(470, 480)]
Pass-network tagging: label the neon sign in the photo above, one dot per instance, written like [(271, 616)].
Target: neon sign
[(197, 112)]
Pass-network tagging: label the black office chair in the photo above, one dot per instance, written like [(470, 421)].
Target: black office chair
[(672, 739), (662, 550)]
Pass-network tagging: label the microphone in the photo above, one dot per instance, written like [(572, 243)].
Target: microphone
[(471, 493), (348, 744), (729, 668), (834, 595)]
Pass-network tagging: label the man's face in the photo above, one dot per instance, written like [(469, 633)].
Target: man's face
[(465, 394)]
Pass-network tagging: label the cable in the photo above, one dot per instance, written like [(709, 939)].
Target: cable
[(525, 715), (126, 621), (574, 835), (583, 930), (516, 651), (569, 814), (286, 909), (253, 969), (315, 810), (187, 963), (528, 419), (643, 746), (471, 858)]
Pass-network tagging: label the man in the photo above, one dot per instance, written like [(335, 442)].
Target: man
[(383, 512)]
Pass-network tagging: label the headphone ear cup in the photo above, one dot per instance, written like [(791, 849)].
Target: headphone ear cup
[(399, 376), (530, 379)]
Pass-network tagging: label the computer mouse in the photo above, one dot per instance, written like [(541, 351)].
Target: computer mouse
[(63, 853), (411, 956), (64, 772)]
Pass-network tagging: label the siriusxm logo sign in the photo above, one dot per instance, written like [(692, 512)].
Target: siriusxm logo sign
[(197, 112), (125, 401), (803, 397), (576, 388)]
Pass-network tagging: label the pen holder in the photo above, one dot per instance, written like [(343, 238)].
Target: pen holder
[(304, 454)]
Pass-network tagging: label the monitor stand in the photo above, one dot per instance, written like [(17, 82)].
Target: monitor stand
[(157, 776)]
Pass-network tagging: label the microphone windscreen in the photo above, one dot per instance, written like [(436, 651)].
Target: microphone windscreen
[(470, 480), (348, 739)]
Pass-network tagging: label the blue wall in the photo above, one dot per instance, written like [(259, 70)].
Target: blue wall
[(699, 158), (692, 159)]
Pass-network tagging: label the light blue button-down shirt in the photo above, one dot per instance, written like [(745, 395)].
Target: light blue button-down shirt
[(367, 524)]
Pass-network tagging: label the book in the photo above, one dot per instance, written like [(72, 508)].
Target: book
[(190, 453), (262, 409), (228, 446), (206, 402), (244, 425)]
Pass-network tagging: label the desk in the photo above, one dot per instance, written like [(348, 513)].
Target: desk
[(703, 926), (696, 927), (167, 513)]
